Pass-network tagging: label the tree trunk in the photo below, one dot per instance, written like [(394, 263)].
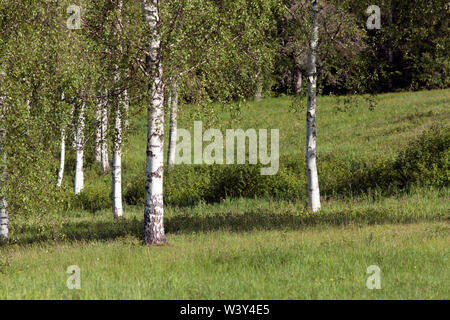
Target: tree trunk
[(4, 217), (298, 82), (120, 107), (62, 157), (98, 130), (104, 141), (117, 165), (62, 154), (173, 104), (79, 152), (154, 211), (126, 108), (313, 179)]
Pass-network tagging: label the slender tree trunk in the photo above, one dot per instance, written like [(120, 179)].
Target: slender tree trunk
[(98, 130), (313, 179), (120, 106), (173, 104), (298, 81), (117, 165), (154, 211), (62, 157), (62, 154), (101, 128), (104, 141), (79, 151), (4, 217), (126, 108)]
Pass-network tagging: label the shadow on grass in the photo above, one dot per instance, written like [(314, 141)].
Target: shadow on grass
[(186, 224)]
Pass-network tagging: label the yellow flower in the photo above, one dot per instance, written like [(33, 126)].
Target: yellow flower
[(358, 281), (331, 279), (415, 267)]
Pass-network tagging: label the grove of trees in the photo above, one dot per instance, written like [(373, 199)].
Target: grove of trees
[(73, 74)]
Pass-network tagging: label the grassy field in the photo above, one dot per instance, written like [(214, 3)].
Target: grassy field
[(257, 247)]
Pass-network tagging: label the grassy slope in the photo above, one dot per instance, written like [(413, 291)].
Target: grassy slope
[(256, 248), (396, 119)]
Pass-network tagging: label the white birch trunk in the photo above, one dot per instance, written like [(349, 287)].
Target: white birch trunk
[(120, 106), (98, 131), (126, 108), (4, 217), (311, 167), (154, 211), (299, 82), (173, 105), (104, 141), (62, 157), (79, 152), (62, 154), (117, 165)]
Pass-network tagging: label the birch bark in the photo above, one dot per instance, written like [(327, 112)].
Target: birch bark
[(98, 130), (173, 104), (62, 154), (104, 141), (79, 151), (154, 211), (4, 217), (62, 157), (120, 107), (311, 166), (117, 165)]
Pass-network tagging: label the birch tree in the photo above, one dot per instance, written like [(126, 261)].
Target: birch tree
[(341, 40), (79, 149), (62, 148), (311, 166), (101, 131), (104, 141), (4, 217), (120, 109), (173, 105), (154, 211), (62, 157)]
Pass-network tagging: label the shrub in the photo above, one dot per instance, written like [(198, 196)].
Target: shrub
[(95, 196), (425, 162)]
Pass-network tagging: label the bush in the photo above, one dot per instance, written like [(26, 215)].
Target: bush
[(95, 196), (425, 162)]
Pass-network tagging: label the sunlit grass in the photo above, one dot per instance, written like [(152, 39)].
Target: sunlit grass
[(262, 248)]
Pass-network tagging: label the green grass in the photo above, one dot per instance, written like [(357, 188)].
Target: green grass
[(310, 263), (256, 248), (238, 249), (356, 132)]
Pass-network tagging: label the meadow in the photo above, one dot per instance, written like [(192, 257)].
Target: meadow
[(383, 165)]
